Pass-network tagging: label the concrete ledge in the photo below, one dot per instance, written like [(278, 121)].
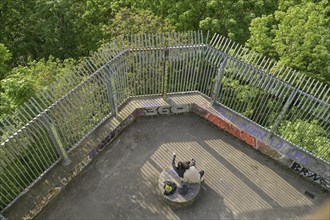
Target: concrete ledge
[(177, 200)]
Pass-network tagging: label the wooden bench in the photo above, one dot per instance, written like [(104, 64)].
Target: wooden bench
[(177, 200)]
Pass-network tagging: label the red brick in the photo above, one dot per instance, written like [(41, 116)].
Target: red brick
[(235, 131), (248, 139), (216, 121)]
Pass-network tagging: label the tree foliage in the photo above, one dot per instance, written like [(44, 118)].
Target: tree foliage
[(132, 21), (35, 29), (5, 55), (229, 18), (297, 34), (23, 82)]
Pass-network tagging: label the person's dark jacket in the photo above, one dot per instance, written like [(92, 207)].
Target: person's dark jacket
[(179, 169)]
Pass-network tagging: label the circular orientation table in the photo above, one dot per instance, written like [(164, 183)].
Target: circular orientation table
[(177, 200)]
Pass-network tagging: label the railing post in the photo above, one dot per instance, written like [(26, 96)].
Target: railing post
[(111, 97), (111, 93), (56, 140), (218, 81), (165, 73), (282, 113)]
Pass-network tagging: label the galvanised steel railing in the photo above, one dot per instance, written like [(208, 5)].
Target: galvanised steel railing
[(48, 126)]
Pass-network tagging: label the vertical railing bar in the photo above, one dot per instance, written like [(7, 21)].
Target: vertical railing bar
[(235, 72), (248, 77), (203, 69), (193, 56), (60, 114), (228, 91), (13, 154), (188, 65), (187, 69), (277, 94), (13, 179), (309, 106), (184, 70), (159, 65), (65, 140), (264, 100), (205, 72), (36, 144), (140, 66), (36, 130), (52, 120), (243, 69), (173, 64), (120, 75), (6, 193), (151, 58), (176, 63), (180, 67), (223, 45), (234, 102), (198, 79), (310, 117), (219, 77), (273, 85), (133, 67), (231, 76), (210, 47), (226, 46), (28, 149), (146, 65), (257, 98), (269, 96), (294, 104), (13, 193), (197, 58), (126, 71), (60, 105)]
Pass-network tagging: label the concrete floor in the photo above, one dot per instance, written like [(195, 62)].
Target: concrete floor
[(240, 183)]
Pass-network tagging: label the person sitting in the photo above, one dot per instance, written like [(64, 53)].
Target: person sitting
[(181, 167), (192, 175)]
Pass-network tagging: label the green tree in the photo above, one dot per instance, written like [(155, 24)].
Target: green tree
[(132, 21), (298, 35), (23, 82), (64, 29), (5, 55), (309, 135), (229, 18)]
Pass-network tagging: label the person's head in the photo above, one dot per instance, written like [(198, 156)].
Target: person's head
[(183, 165)]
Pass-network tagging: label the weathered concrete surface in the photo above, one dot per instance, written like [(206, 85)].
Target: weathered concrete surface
[(239, 181)]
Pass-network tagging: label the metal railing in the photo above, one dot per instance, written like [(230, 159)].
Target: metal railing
[(54, 122)]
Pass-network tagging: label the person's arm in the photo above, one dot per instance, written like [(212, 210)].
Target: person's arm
[(192, 163), (173, 161)]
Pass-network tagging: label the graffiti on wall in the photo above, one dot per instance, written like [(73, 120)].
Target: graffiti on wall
[(296, 167), (165, 110), (274, 142)]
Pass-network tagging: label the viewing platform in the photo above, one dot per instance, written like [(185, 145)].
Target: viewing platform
[(120, 180), (95, 146)]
